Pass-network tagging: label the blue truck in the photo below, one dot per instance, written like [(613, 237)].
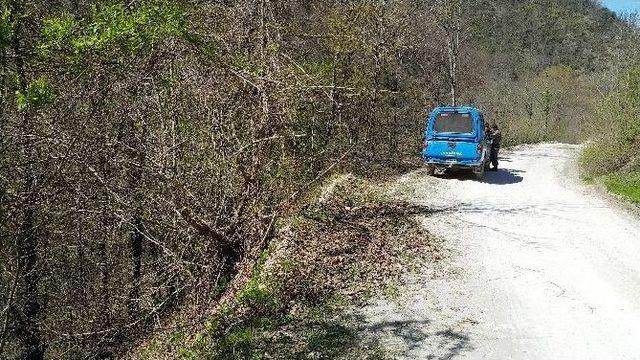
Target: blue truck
[(455, 139)]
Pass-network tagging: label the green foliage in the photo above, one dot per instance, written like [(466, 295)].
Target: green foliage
[(555, 104), (238, 344), (57, 31), (626, 185), (630, 89), (537, 33), (346, 28), (221, 286), (259, 296), (115, 28), (315, 331), (6, 27), (615, 129), (130, 29), (628, 98), (601, 157), (244, 63), (613, 157), (320, 69), (330, 340), (522, 131), (38, 93)]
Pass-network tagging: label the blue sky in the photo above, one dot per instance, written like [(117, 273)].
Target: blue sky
[(622, 5)]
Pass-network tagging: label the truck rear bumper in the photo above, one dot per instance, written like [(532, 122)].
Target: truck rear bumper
[(453, 165)]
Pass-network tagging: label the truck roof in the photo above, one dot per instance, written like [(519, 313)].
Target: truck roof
[(457, 108)]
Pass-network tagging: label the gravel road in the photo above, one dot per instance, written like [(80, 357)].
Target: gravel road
[(540, 267)]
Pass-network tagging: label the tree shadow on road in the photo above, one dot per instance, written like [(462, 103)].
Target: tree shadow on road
[(419, 342)]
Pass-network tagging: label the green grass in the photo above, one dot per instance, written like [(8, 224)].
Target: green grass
[(626, 185), (267, 329), (315, 330)]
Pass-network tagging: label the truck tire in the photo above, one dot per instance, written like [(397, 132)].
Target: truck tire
[(431, 170), (479, 172)]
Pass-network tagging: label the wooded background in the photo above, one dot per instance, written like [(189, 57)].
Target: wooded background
[(148, 147)]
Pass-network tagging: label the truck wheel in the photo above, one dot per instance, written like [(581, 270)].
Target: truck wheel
[(431, 170), (479, 172)]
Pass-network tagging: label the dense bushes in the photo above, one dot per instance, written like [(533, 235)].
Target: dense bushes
[(148, 148), (614, 154), (616, 127), (554, 105)]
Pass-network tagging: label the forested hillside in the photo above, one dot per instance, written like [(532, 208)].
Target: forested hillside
[(149, 147)]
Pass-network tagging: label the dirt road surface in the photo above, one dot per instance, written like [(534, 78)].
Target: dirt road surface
[(540, 267)]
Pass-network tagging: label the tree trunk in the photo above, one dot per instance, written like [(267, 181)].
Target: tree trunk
[(136, 235), (27, 247), (453, 40)]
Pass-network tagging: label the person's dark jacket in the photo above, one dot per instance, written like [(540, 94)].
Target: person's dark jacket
[(496, 136)]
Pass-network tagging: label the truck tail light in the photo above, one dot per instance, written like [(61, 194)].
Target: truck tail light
[(425, 145), (480, 148)]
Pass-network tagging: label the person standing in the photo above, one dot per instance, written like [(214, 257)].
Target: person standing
[(496, 138)]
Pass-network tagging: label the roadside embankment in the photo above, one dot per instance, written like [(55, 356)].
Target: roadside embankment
[(350, 243), (618, 174), (612, 157)]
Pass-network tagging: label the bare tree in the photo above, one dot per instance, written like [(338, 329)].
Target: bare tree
[(449, 15)]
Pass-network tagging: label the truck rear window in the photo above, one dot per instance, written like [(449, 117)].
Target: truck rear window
[(454, 123)]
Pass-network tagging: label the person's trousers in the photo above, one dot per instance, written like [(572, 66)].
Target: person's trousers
[(494, 155)]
